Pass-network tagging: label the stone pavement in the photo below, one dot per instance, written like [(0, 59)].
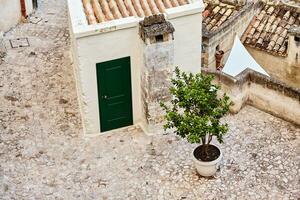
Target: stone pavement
[(43, 154)]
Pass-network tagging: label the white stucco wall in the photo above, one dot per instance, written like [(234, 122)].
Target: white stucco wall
[(115, 39), (10, 14), (187, 37), (100, 48), (75, 61)]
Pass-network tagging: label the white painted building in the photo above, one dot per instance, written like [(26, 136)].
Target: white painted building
[(106, 36), (12, 12)]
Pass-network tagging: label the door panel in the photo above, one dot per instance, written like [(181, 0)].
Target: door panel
[(114, 93)]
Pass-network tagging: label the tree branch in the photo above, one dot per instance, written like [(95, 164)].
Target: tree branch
[(209, 139)]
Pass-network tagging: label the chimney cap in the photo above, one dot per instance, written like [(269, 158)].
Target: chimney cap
[(155, 25)]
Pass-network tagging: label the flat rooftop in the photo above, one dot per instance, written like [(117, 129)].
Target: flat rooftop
[(43, 154), (261, 161)]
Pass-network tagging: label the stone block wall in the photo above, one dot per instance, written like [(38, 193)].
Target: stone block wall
[(277, 67), (225, 36), (262, 92), (155, 80)]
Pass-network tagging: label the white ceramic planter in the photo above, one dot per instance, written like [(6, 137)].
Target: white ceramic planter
[(207, 168)]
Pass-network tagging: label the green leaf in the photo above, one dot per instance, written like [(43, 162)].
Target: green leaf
[(196, 109)]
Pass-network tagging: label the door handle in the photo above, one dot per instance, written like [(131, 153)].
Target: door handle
[(104, 97)]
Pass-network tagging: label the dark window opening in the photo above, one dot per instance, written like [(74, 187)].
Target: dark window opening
[(159, 38), (297, 39)]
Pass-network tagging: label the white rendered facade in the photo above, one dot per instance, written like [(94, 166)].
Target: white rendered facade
[(115, 39)]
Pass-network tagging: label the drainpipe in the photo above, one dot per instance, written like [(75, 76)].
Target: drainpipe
[(23, 8)]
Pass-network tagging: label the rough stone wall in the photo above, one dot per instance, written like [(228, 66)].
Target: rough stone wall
[(225, 37), (155, 79), (262, 92), (278, 67)]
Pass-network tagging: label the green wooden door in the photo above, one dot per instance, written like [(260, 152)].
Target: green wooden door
[(114, 93)]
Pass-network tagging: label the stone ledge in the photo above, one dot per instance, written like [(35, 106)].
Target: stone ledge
[(249, 75), (260, 91)]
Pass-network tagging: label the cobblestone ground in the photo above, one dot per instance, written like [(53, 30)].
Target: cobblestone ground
[(43, 154)]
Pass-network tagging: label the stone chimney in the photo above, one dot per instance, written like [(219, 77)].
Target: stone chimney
[(158, 62)]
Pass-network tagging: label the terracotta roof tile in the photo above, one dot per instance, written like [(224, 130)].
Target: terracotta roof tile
[(268, 30), (98, 11), (216, 14)]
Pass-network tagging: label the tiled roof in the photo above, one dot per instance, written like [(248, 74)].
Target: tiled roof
[(98, 11), (268, 30), (216, 14)]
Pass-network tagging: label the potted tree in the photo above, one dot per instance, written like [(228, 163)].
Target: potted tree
[(194, 113)]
